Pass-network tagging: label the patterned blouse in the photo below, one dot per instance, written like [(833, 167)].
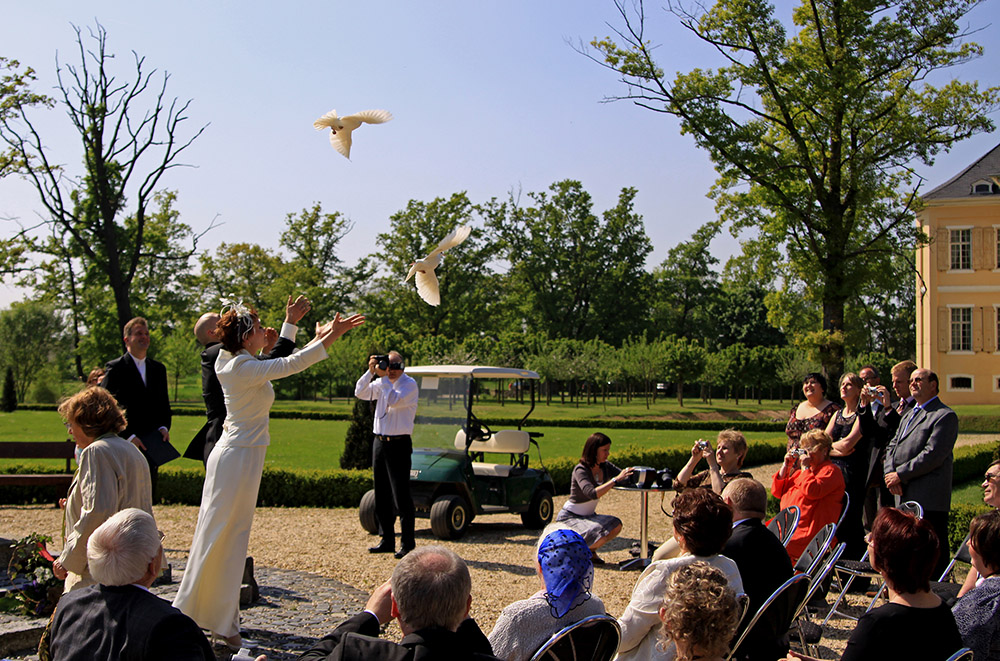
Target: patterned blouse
[(796, 427)]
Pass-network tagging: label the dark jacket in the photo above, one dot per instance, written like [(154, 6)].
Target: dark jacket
[(125, 623), (764, 565), (357, 638), (147, 405)]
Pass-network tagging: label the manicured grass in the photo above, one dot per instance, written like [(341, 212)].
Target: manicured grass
[(318, 444), (968, 494)]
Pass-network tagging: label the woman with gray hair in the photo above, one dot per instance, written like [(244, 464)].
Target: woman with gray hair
[(566, 575)]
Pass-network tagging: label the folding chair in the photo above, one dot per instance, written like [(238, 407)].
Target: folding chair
[(742, 606), (862, 568), (845, 503), (593, 638), (784, 523), (776, 609), (944, 587), (964, 654), (809, 632), (816, 550)]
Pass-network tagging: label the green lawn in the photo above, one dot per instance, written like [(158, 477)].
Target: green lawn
[(319, 443)]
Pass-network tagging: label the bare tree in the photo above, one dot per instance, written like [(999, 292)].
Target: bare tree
[(131, 135)]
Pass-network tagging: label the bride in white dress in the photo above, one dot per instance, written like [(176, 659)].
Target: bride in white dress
[(209, 591)]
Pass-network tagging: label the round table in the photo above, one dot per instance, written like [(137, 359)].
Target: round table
[(643, 560)]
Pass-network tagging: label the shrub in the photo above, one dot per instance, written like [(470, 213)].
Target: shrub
[(358, 441), (8, 402)]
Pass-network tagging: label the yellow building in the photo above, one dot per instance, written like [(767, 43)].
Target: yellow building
[(958, 292)]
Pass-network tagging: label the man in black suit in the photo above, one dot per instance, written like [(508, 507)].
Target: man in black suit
[(879, 421), (211, 390), (431, 593), (119, 618), (763, 563), (139, 383), (920, 457)]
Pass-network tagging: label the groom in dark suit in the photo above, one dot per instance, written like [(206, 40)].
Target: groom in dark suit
[(139, 383), (211, 390), (763, 563), (918, 460)]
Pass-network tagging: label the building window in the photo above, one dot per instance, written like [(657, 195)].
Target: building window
[(959, 382), (961, 249), (961, 329)]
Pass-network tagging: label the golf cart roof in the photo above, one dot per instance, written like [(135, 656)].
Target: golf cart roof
[(475, 371)]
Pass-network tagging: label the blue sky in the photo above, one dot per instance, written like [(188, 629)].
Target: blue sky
[(487, 97)]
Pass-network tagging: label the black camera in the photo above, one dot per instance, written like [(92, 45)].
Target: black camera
[(650, 478), (382, 362)]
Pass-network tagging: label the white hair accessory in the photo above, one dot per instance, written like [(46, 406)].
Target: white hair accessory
[(242, 311)]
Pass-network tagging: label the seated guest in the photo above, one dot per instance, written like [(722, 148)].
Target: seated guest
[(431, 593), (119, 618), (763, 563), (699, 613), (978, 611), (566, 575), (592, 478), (812, 483), (723, 464), (702, 524), (991, 496), (915, 624), (723, 467)]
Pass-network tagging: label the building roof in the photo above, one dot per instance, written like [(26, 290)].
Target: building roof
[(986, 168)]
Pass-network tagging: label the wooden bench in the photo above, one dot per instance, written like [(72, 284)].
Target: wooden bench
[(38, 450)]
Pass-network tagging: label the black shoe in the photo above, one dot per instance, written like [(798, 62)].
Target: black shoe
[(403, 550), (384, 547)]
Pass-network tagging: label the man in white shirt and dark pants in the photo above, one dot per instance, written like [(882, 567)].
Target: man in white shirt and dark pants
[(396, 397)]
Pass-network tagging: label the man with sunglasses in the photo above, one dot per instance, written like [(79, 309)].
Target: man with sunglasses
[(395, 395)]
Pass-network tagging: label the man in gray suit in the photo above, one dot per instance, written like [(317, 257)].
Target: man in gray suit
[(918, 460)]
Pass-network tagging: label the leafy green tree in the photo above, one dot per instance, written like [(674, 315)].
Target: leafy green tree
[(685, 287), (33, 337), (246, 272), (814, 134), (314, 268), (572, 274), (466, 282), (739, 315), (358, 442), (682, 361), (178, 351), (131, 134)]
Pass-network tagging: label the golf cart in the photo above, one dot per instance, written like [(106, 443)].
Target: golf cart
[(485, 471)]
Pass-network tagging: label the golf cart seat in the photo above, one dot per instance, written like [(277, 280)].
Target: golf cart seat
[(505, 441)]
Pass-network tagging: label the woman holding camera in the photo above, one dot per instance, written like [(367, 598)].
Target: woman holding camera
[(210, 591), (810, 481), (593, 477)]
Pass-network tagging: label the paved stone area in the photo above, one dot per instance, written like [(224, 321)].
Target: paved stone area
[(295, 609)]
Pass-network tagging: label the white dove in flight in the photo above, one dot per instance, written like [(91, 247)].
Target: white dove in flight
[(342, 127), (427, 282)]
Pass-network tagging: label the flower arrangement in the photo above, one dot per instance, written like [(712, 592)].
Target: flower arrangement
[(31, 561)]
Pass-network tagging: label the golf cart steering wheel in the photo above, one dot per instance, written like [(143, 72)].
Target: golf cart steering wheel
[(479, 431)]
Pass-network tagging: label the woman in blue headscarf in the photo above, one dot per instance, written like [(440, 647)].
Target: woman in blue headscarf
[(566, 574)]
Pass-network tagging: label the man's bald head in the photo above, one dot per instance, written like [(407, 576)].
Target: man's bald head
[(204, 328)]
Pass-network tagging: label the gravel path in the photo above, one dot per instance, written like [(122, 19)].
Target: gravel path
[(331, 543)]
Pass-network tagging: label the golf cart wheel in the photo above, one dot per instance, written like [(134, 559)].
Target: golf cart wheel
[(366, 512), (539, 512), (450, 517)]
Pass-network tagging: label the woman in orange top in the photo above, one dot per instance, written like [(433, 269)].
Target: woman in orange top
[(812, 483)]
